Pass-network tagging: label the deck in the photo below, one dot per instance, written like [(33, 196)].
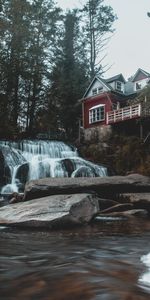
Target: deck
[(123, 114)]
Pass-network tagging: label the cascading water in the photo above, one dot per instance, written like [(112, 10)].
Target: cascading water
[(27, 160)]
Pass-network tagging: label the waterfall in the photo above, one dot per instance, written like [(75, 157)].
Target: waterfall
[(29, 160)]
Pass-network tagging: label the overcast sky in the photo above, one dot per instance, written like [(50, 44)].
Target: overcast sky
[(129, 48)]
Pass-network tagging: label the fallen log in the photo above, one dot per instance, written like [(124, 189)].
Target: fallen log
[(138, 200), (117, 208), (125, 214)]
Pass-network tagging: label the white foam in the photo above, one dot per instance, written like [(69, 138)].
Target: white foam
[(145, 278)]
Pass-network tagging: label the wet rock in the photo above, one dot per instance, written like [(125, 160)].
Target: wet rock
[(84, 172), (67, 164), (104, 186), (8, 158), (15, 198), (5, 174), (23, 172), (52, 211), (3, 202)]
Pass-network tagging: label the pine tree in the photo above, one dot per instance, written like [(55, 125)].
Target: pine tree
[(98, 22), (43, 30), (69, 77), (28, 38), (13, 42)]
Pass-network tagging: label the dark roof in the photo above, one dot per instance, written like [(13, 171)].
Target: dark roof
[(118, 77), (105, 82)]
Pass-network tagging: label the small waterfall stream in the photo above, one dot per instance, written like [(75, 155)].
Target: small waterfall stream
[(28, 160)]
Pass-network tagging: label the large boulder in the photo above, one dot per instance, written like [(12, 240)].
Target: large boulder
[(104, 186), (51, 211)]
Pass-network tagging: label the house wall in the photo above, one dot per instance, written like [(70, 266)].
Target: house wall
[(95, 85), (105, 99), (129, 87), (142, 82), (113, 85)]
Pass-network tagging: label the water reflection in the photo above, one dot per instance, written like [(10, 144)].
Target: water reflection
[(101, 261)]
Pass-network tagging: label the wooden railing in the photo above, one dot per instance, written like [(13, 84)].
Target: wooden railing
[(122, 114)]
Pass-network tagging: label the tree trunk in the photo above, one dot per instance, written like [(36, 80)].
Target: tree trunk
[(33, 105)]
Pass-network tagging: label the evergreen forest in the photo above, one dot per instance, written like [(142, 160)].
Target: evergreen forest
[(47, 59)]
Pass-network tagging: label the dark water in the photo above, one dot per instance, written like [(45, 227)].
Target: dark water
[(101, 261)]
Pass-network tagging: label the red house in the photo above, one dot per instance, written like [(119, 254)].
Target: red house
[(105, 102)]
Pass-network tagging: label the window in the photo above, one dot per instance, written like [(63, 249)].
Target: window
[(97, 90), (100, 89), (114, 106), (97, 113), (119, 86), (94, 92), (138, 86)]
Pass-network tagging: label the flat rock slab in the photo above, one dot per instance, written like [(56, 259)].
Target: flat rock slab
[(3, 202), (134, 183), (51, 211)]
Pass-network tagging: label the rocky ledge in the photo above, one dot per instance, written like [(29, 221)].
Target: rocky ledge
[(59, 202), (52, 211), (106, 186)]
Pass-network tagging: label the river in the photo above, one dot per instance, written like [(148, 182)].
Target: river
[(106, 260)]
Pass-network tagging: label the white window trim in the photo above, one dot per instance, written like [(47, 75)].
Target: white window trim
[(96, 106), (97, 91), (100, 89), (120, 89), (93, 114), (140, 85), (94, 91)]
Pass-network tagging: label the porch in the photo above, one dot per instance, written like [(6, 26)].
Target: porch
[(123, 114)]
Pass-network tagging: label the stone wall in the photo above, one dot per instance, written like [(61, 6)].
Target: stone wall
[(97, 134)]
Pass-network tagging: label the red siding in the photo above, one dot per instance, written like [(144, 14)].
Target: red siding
[(92, 101)]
